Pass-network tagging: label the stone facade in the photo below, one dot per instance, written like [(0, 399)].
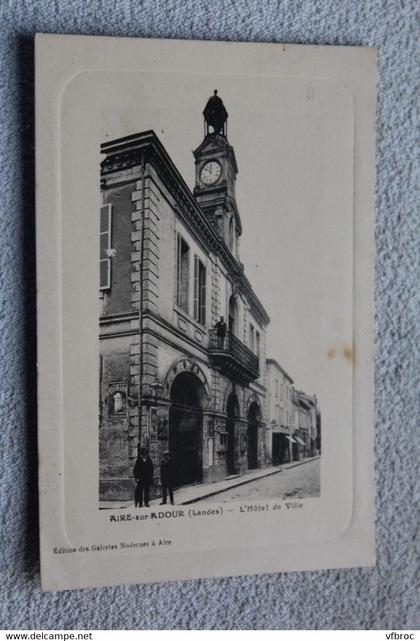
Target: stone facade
[(308, 421), (166, 382), (294, 419), (280, 413), (306, 425)]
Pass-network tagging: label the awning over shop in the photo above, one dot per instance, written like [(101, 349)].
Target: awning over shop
[(278, 429), (299, 440)]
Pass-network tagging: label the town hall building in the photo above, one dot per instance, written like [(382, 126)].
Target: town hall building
[(169, 271)]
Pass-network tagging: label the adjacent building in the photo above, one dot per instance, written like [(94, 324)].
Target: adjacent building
[(169, 272), (294, 419), (280, 412), (307, 424)]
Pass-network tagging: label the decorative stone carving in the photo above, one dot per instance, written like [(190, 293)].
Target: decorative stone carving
[(183, 365)]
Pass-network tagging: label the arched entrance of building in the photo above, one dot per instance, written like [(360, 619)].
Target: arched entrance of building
[(188, 397), (232, 412), (254, 418), (233, 315)]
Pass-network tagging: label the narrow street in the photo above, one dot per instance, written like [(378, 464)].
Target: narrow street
[(301, 481), (294, 480)]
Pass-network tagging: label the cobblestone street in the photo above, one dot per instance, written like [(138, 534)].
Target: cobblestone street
[(301, 481)]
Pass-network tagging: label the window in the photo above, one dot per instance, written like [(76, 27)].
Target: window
[(231, 233), (251, 337), (257, 344), (233, 315), (182, 273), (277, 387), (278, 414), (199, 291), (104, 247)]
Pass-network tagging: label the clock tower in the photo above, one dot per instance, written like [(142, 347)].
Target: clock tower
[(215, 175)]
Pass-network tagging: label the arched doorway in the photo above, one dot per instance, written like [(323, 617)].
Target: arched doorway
[(232, 412), (233, 315), (254, 418), (186, 426)]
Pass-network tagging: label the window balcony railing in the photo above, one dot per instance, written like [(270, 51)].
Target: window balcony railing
[(232, 357)]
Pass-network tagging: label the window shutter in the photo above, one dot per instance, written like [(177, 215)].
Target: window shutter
[(199, 308), (185, 275), (202, 294), (178, 259), (251, 337), (104, 247), (182, 277), (179, 272), (196, 288)]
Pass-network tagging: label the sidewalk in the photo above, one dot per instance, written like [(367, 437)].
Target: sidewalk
[(194, 493)]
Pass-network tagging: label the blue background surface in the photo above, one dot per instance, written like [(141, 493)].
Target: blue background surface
[(384, 597)]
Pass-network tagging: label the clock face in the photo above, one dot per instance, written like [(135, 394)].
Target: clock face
[(210, 173)]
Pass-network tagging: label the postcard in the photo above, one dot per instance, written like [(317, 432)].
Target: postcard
[(205, 269)]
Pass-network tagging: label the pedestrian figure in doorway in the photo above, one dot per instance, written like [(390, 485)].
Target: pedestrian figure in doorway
[(221, 332), (167, 478), (143, 474)]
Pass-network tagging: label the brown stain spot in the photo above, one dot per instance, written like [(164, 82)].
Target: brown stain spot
[(347, 351), (349, 354)]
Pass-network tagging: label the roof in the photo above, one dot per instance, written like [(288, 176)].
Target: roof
[(272, 361), (305, 398), (215, 112)]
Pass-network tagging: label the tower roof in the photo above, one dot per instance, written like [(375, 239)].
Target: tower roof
[(215, 114)]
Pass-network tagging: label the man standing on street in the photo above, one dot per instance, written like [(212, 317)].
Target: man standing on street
[(167, 478), (143, 473), (221, 331)]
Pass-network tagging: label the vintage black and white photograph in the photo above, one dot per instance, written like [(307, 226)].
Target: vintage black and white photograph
[(205, 307), (196, 400)]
